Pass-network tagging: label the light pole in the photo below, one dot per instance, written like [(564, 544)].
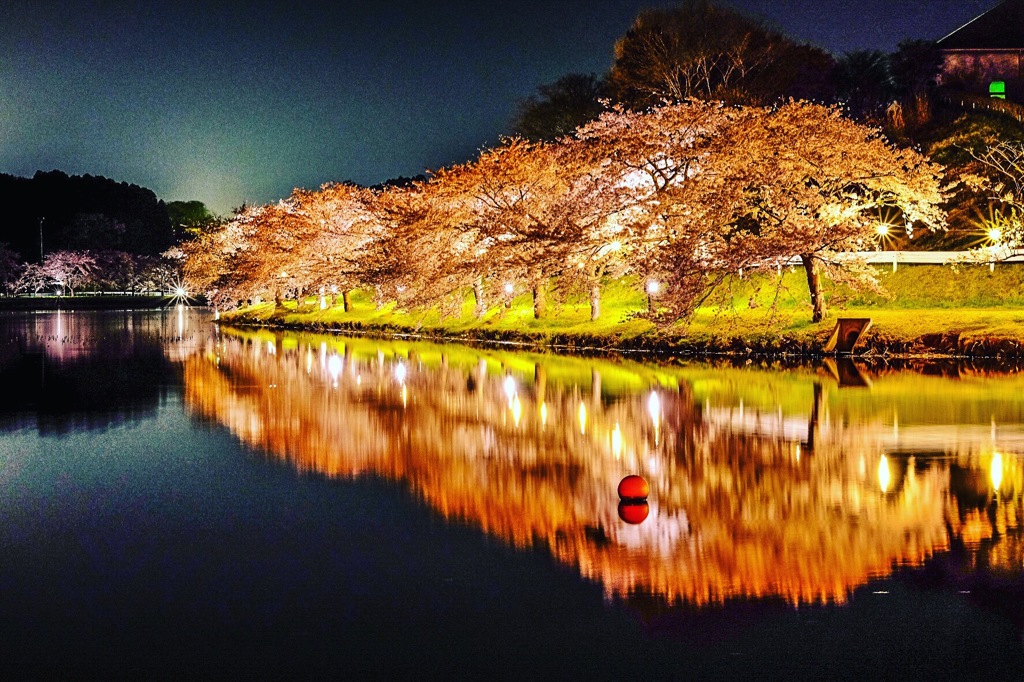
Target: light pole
[(41, 238), (652, 290)]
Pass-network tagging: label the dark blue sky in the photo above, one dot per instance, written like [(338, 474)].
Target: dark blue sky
[(231, 102)]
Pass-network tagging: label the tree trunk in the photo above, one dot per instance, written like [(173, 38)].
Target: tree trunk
[(817, 299), (540, 303), (478, 297), (595, 301), (278, 303), (345, 304)]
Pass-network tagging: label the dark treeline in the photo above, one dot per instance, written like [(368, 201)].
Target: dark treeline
[(79, 213)]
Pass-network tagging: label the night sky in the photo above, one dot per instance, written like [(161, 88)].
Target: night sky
[(233, 102)]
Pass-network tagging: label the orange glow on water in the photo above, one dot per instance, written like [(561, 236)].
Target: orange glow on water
[(732, 512)]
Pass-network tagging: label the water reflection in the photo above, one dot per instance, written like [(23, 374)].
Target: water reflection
[(64, 371), (793, 483)]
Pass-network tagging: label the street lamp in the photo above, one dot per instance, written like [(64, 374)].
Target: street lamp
[(883, 230), (652, 290), (995, 235)]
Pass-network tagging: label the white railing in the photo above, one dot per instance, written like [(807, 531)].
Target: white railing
[(979, 256)]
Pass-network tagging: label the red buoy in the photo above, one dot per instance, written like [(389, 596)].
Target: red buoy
[(634, 512), (634, 487)]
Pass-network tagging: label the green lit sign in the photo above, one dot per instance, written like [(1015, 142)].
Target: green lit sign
[(997, 89)]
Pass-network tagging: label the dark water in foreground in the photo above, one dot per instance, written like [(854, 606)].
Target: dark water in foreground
[(181, 502)]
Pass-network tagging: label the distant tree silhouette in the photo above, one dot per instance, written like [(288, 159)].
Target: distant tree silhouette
[(864, 83), (704, 51), (189, 219), (559, 108), (52, 211)]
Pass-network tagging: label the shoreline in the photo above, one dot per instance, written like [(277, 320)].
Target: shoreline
[(85, 302), (932, 346)]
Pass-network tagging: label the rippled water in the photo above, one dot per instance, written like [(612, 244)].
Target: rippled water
[(182, 500)]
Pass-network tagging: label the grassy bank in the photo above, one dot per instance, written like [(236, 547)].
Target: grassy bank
[(969, 310)]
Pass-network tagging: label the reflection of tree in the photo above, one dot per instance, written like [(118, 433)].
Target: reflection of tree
[(537, 460)]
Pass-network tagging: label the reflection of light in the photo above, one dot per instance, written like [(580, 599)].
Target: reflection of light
[(309, 360), (271, 349), (996, 471), (517, 410), (654, 407), (583, 418), (798, 452), (405, 395), (334, 367), (543, 414), (400, 372), (617, 441), (510, 388), (884, 476)]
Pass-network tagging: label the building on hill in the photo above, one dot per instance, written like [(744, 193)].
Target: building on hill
[(986, 55)]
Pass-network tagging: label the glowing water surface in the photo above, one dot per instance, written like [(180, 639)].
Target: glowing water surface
[(186, 500), (801, 484)]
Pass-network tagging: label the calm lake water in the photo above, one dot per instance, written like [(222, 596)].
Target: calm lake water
[(179, 501)]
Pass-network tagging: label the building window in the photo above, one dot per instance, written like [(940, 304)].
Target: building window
[(997, 89)]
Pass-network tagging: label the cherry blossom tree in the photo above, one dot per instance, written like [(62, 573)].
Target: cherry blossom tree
[(651, 159), (802, 180), (224, 262), (69, 270), (1003, 181), (532, 211), (339, 225), (684, 195)]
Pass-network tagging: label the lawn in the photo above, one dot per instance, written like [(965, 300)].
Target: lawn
[(971, 302)]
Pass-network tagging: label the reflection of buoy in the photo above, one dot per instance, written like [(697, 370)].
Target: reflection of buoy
[(634, 487), (633, 512)]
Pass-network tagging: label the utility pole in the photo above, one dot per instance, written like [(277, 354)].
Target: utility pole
[(41, 239)]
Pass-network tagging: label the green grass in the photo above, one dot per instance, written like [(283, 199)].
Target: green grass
[(969, 300)]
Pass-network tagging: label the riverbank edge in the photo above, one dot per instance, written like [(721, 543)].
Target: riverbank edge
[(84, 302), (937, 346)]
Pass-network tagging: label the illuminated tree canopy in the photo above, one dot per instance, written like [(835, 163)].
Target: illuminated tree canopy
[(689, 193)]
